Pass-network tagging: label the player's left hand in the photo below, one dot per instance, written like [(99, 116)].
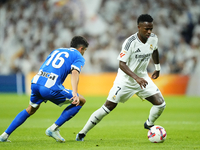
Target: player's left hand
[(75, 99), (155, 74)]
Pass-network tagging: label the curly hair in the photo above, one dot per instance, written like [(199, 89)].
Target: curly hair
[(78, 41), (144, 18)]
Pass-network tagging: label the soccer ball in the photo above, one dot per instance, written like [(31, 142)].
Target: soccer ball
[(157, 134)]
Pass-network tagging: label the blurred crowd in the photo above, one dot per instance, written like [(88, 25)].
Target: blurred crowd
[(31, 29)]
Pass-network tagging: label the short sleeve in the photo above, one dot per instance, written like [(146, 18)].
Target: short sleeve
[(126, 51), (78, 64)]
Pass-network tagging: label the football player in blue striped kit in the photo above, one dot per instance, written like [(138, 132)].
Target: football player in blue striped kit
[(132, 77), (47, 85)]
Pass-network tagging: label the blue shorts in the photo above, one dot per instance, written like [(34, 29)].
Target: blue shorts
[(41, 94)]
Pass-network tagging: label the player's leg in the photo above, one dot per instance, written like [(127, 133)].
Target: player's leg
[(154, 96), (18, 120), (69, 112), (35, 102), (118, 93), (156, 110), (95, 118)]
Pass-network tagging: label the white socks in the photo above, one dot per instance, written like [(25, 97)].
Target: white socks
[(95, 118), (4, 135), (53, 127), (155, 112)]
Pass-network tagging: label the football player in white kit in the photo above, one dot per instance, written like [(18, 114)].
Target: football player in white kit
[(132, 77)]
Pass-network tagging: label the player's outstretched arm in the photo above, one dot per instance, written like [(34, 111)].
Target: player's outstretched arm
[(74, 82)]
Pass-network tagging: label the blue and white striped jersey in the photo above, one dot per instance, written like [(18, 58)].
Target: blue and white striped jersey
[(57, 66)]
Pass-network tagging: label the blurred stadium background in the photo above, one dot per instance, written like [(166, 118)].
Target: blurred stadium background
[(30, 30)]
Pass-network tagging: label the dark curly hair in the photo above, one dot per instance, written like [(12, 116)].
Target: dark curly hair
[(78, 41), (144, 18)]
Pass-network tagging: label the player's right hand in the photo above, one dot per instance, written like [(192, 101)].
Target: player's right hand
[(143, 83), (75, 99)]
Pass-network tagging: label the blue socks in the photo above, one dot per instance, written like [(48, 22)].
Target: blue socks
[(67, 114), (19, 119)]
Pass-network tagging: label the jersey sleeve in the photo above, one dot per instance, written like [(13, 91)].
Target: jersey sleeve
[(156, 41), (78, 64), (126, 51), (156, 44)]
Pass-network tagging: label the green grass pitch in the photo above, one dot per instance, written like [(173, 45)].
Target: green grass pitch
[(122, 129)]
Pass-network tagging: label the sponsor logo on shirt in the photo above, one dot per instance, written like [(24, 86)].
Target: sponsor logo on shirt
[(121, 54), (46, 75), (143, 57)]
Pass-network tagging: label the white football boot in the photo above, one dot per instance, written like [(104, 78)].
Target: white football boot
[(4, 140), (55, 134)]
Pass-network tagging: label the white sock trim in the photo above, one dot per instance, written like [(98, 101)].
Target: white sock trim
[(5, 135), (106, 109), (149, 123), (54, 127)]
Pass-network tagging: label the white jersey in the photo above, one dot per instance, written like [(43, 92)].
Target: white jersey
[(137, 56)]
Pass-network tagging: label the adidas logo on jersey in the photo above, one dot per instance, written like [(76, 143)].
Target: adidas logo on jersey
[(138, 50)]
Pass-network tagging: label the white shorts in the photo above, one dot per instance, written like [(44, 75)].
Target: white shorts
[(121, 92)]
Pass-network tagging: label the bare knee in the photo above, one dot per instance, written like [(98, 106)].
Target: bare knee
[(82, 100), (156, 99), (110, 105), (31, 110)]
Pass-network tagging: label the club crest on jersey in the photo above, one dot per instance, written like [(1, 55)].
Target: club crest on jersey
[(151, 47), (114, 97)]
